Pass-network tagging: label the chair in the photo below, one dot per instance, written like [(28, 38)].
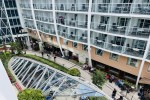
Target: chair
[(141, 10), (61, 7), (73, 7), (84, 7), (114, 27), (100, 8)]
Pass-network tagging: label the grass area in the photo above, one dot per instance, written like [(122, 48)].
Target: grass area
[(97, 98)]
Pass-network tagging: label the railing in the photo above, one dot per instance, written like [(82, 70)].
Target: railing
[(116, 29), (148, 56), (139, 32), (75, 23), (99, 26), (45, 19), (133, 51), (100, 7), (72, 7), (97, 42), (113, 47), (42, 6), (25, 5)]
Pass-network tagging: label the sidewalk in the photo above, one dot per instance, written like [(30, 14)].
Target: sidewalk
[(107, 88)]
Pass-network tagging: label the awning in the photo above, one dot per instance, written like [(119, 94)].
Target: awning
[(144, 81)]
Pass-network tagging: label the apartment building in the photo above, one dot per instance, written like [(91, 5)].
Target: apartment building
[(112, 35), (10, 22)]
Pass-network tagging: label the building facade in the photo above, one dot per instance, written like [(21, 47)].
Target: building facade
[(112, 35), (10, 22)]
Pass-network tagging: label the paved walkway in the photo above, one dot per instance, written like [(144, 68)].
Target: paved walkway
[(107, 88)]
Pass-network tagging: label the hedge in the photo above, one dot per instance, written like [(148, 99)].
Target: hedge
[(46, 61)]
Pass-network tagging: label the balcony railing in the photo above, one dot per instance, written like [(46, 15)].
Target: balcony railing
[(148, 56), (75, 23), (116, 29), (72, 7), (99, 26), (143, 8), (100, 7), (139, 32), (45, 19), (25, 5), (113, 47), (133, 51), (42, 6)]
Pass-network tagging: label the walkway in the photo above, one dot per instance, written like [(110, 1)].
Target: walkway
[(107, 88)]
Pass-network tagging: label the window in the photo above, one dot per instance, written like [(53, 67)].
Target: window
[(66, 42), (113, 56), (149, 68), (74, 44), (132, 62), (85, 47), (99, 52)]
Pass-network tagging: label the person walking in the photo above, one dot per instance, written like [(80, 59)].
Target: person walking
[(42, 53), (114, 93), (54, 57), (48, 55)]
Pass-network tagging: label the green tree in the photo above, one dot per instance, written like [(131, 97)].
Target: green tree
[(15, 46), (98, 78), (31, 94), (74, 72)]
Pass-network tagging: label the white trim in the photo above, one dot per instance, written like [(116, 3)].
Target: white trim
[(55, 26), (89, 38), (143, 62)]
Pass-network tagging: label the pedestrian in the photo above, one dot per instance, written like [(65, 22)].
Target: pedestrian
[(54, 57), (42, 53), (114, 93), (121, 98), (48, 56)]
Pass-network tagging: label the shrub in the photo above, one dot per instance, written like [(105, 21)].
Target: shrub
[(31, 94), (98, 78), (46, 61), (74, 72)]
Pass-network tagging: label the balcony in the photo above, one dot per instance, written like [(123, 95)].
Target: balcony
[(74, 23), (43, 6), (121, 8), (100, 7), (143, 8), (25, 5), (139, 32), (133, 51), (99, 26), (27, 16), (117, 29), (45, 19), (113, 47), (148, 56), (72, 7), (97, 42)]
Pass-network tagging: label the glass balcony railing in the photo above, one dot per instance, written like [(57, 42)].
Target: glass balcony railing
[(42, 6), (139, 32), (27, 16), (99, 26), (46, 30), (45, 19), (30, 26), (25, 5), (100, 7), (116, 29), (113, 47), (133, 51), (75, 23), (148, 56), (97, 42), (120, 8), (72, 7), (143, 8)]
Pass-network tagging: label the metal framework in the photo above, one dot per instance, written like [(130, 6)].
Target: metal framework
[(52, 82)]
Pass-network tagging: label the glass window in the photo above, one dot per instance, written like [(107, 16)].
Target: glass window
[(149, 68), (16, 12), (13, 13), (18, 21), (15, 21), (99, 52), (132, 62), (66, 42), (9, 13), (11, 21), (74, 44), (84, 47), (113, 56)]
